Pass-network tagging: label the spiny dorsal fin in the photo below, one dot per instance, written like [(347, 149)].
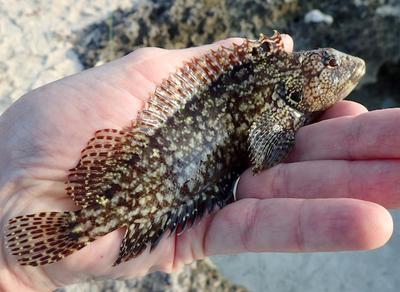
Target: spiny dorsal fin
[(173, 93), (275, 43)]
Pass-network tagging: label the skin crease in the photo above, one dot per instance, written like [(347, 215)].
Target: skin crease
[(324, 198)]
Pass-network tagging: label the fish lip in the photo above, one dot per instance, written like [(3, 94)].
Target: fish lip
[(358, 71)]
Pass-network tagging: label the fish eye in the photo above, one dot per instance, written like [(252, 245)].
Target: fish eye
[(295, 96), (332, 62)]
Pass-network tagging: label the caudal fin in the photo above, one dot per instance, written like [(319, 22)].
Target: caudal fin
[(42, 238)]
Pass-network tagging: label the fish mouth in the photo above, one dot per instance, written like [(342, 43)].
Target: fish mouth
[(355, 76), (358, 71)]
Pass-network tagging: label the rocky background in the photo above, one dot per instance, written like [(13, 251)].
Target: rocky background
[(369, 29), (43, 40), (199, 276)]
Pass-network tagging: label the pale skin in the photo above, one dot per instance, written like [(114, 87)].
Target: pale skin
[(330, 195)]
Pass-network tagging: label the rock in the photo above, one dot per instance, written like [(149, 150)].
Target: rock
[(316, 16), (199, 276), (32, 31)]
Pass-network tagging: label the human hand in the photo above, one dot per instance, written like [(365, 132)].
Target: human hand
[(302, 205)]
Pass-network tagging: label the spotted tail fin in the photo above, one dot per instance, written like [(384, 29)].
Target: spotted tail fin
[(43, 238)]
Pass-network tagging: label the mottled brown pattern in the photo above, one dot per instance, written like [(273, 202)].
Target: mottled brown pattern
[(188, 146)]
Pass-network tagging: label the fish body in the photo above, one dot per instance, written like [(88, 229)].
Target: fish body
[(200, 129)]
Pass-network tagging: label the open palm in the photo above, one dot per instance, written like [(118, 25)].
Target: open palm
[(42, 134)]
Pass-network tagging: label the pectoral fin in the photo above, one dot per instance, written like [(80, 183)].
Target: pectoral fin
[(271, 138)]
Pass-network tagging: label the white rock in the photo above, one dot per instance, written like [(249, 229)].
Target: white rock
[(316, 16)]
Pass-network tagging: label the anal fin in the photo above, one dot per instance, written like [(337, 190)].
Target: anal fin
[(148, 232)]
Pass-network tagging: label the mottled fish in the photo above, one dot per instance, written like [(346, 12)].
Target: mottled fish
[(201, 128)]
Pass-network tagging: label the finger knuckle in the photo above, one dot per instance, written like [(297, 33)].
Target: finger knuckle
[(249, 227), (279, 180), (299, 233), (353, 138)]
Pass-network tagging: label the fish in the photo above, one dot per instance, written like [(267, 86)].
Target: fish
[(231, 108)]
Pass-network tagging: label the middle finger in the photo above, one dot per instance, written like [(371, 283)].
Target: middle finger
[(372, 135), (375, 180)]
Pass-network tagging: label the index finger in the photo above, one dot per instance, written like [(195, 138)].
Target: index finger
[(372, 135)]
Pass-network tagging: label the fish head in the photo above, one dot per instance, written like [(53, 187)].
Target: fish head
[(326, 77)]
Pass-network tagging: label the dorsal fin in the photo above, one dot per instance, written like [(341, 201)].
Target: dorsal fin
[(86, 182), (275, 42), (173, 93)]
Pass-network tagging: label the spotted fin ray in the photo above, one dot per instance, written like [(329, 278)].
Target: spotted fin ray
[(42, 238), (270, 139)]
